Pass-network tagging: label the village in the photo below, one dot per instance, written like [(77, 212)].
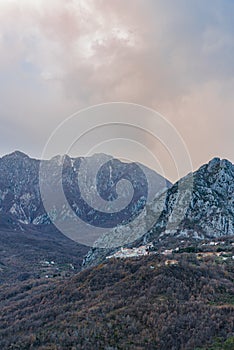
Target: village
[(206, 249)]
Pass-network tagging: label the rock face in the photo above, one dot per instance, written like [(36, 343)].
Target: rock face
[(208, 210), (20, 196), (200, 206), (19, 188)]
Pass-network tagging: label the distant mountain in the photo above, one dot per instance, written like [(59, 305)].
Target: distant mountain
[(27, 234), (199, 206), (20, 197)]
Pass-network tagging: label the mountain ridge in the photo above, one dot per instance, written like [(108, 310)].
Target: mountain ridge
[(208, 213), (27, 232), (20, 188)]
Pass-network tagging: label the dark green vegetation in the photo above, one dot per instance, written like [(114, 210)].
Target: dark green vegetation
[(137, 303), (219, 344)]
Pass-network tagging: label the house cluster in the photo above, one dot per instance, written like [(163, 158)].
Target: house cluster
[(50, 269), (171, 262), (168, 251), (131, 252), (147, 250), (223, 255), (46, 263), (214, 243)]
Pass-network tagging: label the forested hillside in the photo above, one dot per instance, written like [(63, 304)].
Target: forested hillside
[(141, 303)]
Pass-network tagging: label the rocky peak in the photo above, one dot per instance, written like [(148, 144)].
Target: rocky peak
[(19, 183), (16, 155), (217, 170), (218, 176), (208, 213)]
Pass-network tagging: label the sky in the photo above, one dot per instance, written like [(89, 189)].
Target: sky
[(173, 56)]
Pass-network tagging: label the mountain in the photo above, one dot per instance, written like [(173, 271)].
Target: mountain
[(22, 179), (35, 253), (199, 206), (179, 295), (27, 234)]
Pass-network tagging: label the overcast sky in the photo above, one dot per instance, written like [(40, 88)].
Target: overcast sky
[(175, 56)]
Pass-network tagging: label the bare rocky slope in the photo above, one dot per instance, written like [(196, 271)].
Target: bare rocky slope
[(20, 197), (199, 206)]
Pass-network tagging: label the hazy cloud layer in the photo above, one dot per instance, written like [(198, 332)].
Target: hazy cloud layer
[(174, 56)]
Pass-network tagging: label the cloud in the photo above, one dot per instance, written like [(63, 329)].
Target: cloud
[(177, 57)]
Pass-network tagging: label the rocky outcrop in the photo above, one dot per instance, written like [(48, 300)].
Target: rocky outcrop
[(200, 206)]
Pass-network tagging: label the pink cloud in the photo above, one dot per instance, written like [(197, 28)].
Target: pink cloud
[(169, 57)]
